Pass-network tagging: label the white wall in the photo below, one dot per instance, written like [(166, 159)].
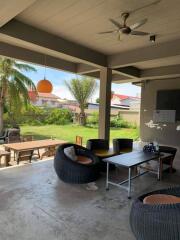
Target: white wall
[(167, 135)]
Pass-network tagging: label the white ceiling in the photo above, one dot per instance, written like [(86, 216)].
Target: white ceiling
[(81, 20)]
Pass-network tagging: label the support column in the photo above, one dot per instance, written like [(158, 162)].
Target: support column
[(105, 102)]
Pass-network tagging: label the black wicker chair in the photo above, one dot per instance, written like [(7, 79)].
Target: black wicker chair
[(122, 144), (102, 144), (156, 222), (72, 171), (13, 135), (94, 144), (4, 135)]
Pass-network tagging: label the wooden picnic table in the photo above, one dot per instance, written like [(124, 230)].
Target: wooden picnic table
[(32, 145)]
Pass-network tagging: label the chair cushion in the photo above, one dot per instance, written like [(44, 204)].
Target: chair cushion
[(70, 153), (84, 160), (161, 199)]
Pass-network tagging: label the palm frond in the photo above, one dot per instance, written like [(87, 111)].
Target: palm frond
[(27, 81), (25, 67), (81, 89)]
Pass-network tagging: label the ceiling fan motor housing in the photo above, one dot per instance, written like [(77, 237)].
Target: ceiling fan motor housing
[(126, 30)]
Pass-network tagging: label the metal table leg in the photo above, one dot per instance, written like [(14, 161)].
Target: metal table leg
[(129, 184), (160, 165), (107, 177)]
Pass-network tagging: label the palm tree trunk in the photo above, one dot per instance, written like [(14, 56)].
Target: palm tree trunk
[(1, 116), (82, 118)]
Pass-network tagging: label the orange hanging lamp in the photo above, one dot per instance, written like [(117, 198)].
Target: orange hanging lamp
[(44, 86)]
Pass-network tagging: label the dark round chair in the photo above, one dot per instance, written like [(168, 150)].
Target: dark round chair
[(94, 144), (100, 144), (71, 171), (122, 144), (156, 222)]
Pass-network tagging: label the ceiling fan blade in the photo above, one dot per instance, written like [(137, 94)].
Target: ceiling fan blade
[(113, 31), (145, 6), (138, 33), (116, 23), (138, 24), (119, 36)]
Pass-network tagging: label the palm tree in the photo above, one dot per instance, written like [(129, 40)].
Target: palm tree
[(82, 89), (14, 84)]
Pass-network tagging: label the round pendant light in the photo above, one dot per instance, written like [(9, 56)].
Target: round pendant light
[(44, 86)]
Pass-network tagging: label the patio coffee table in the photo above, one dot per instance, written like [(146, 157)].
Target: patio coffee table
[(32, 145), (130, 160)]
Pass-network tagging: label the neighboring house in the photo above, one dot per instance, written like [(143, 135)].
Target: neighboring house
[(44, 99), (69, 104), (115, 107), (124, 100)]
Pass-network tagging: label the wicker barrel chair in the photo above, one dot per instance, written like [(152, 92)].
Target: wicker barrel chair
[(157, 221), (71, 171)]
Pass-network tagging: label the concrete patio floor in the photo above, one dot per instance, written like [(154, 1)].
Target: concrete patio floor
[(35, 204)]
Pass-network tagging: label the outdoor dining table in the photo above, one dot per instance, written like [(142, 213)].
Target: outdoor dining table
[(31, 145), (131, 160)]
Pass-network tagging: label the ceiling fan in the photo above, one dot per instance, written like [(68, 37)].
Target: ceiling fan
[(126, 29)]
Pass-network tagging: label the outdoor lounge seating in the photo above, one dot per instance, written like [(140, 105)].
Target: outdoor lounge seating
[(156, 221), (4, 135), (94, 144), (121, 145), (169, 160), (75, 171), (101, 148), (13, 136)]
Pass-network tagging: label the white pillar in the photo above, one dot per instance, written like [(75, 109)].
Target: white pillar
[(105, 102)]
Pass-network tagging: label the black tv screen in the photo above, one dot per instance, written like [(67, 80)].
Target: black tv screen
[(169, 100)]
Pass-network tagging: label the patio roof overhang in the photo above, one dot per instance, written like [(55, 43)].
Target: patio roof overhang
[(32, 29)]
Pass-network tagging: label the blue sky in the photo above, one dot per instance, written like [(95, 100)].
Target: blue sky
[(58, 78)]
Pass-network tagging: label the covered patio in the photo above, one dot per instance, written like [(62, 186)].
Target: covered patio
[(36, 205), (64, 35)]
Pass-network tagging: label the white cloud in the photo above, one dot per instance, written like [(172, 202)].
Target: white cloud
[(62, 92)]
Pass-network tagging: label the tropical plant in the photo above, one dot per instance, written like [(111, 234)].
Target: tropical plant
[(59, 117), (14, 85), (82, 89)]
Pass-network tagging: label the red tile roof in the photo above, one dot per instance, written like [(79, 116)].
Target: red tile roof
[(123, 97), (43, 95)]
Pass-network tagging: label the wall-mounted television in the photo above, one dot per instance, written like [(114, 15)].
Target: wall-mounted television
[(169, 100)]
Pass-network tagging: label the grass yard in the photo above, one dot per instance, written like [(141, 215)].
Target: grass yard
[(69, 132)]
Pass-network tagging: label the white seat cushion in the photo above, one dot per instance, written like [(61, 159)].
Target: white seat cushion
[(70, 153)]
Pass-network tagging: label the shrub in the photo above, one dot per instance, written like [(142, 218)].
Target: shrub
[(115, 122), (59, 116), (93, 119), (39, 116), (118, 122)]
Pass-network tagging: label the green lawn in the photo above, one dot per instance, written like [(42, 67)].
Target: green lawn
[(68, 132)]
